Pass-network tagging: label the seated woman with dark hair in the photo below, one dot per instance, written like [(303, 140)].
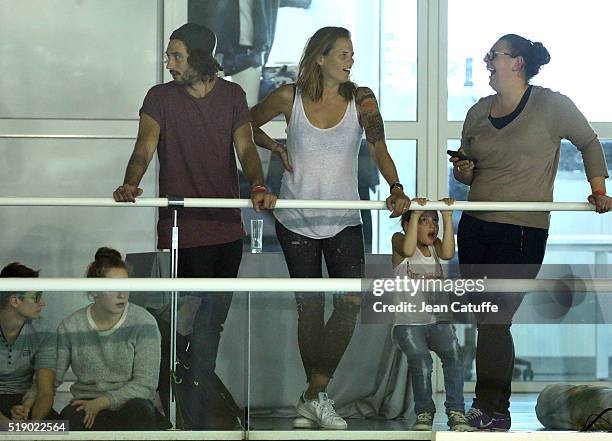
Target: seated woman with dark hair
[(114, 350), (27, 353)]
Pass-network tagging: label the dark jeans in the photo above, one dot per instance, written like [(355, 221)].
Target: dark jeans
[(416, 342), (209, 261), (497, 251), (7, 401), (136, 414), (322, 345)]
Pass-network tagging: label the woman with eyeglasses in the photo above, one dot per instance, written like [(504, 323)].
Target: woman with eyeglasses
[(510, 145), (27, 353), (114, 350)]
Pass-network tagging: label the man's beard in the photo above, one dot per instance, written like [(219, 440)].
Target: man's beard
[(188, 78)]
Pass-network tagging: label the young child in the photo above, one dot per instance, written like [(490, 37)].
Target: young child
[(416, 254)]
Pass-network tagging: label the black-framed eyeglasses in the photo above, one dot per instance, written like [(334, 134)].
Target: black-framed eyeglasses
[(35, 296), (490, 56)]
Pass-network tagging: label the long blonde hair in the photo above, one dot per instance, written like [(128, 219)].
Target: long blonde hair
[(310, 76)]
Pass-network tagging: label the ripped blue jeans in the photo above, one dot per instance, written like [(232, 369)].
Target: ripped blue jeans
[(321, 344), (416, 342)]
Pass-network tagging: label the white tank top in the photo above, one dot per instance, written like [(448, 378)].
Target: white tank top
[(420, 266), (324, 165)]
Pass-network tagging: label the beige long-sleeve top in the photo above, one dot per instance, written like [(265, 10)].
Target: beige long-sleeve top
[(518, 163)]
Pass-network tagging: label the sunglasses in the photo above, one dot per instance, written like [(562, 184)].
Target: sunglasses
[(490, 56), (35, 296)]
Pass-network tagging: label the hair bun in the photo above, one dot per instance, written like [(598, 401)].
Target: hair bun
[(106, 259), (540, 53), (104, 253)]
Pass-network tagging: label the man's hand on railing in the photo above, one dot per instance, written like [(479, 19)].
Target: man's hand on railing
[(602, 202), (398, 203), (127, 193), (262, 200)]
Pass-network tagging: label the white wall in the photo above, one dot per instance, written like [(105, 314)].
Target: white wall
[(77, 70)]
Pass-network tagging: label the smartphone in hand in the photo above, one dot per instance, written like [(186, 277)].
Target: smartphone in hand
[(458, 154)]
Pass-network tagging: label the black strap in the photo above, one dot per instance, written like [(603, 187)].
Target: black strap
[(294, 92), (175, 202), (590, 425)]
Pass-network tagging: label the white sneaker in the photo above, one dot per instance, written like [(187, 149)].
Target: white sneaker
[(321, 411), (304, 423)]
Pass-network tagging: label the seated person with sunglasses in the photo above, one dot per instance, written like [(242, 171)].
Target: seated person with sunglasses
[(27, 353)]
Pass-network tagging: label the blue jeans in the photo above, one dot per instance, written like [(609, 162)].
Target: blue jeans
[(416, 342)]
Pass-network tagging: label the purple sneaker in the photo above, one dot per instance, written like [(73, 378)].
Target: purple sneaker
[(477, 419), (499, 422)]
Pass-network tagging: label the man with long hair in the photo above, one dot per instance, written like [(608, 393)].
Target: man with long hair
[(195, 122)]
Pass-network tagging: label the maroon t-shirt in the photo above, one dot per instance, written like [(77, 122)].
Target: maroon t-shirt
[(196, 157)]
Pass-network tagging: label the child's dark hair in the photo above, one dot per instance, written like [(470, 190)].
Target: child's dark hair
[(14, 269), (105, 259), (406, 217)]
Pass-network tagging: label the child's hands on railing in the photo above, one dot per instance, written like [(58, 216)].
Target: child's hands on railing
[(447, 201), (420, 201)]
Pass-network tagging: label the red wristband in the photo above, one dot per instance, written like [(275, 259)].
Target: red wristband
[(599, 192), (255, 188)]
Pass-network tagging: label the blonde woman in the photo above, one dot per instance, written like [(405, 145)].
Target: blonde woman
[(326, 115)]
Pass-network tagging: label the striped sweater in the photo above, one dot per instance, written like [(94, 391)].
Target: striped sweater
[(121, 363)]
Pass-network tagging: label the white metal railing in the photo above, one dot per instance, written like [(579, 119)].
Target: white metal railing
[(286, 203), (279, 285)]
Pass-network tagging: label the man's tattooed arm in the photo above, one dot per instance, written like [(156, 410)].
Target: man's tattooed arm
[(146, 144), (136, 168)]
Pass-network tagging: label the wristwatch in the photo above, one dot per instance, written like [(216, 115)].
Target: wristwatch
[(396, 185)]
